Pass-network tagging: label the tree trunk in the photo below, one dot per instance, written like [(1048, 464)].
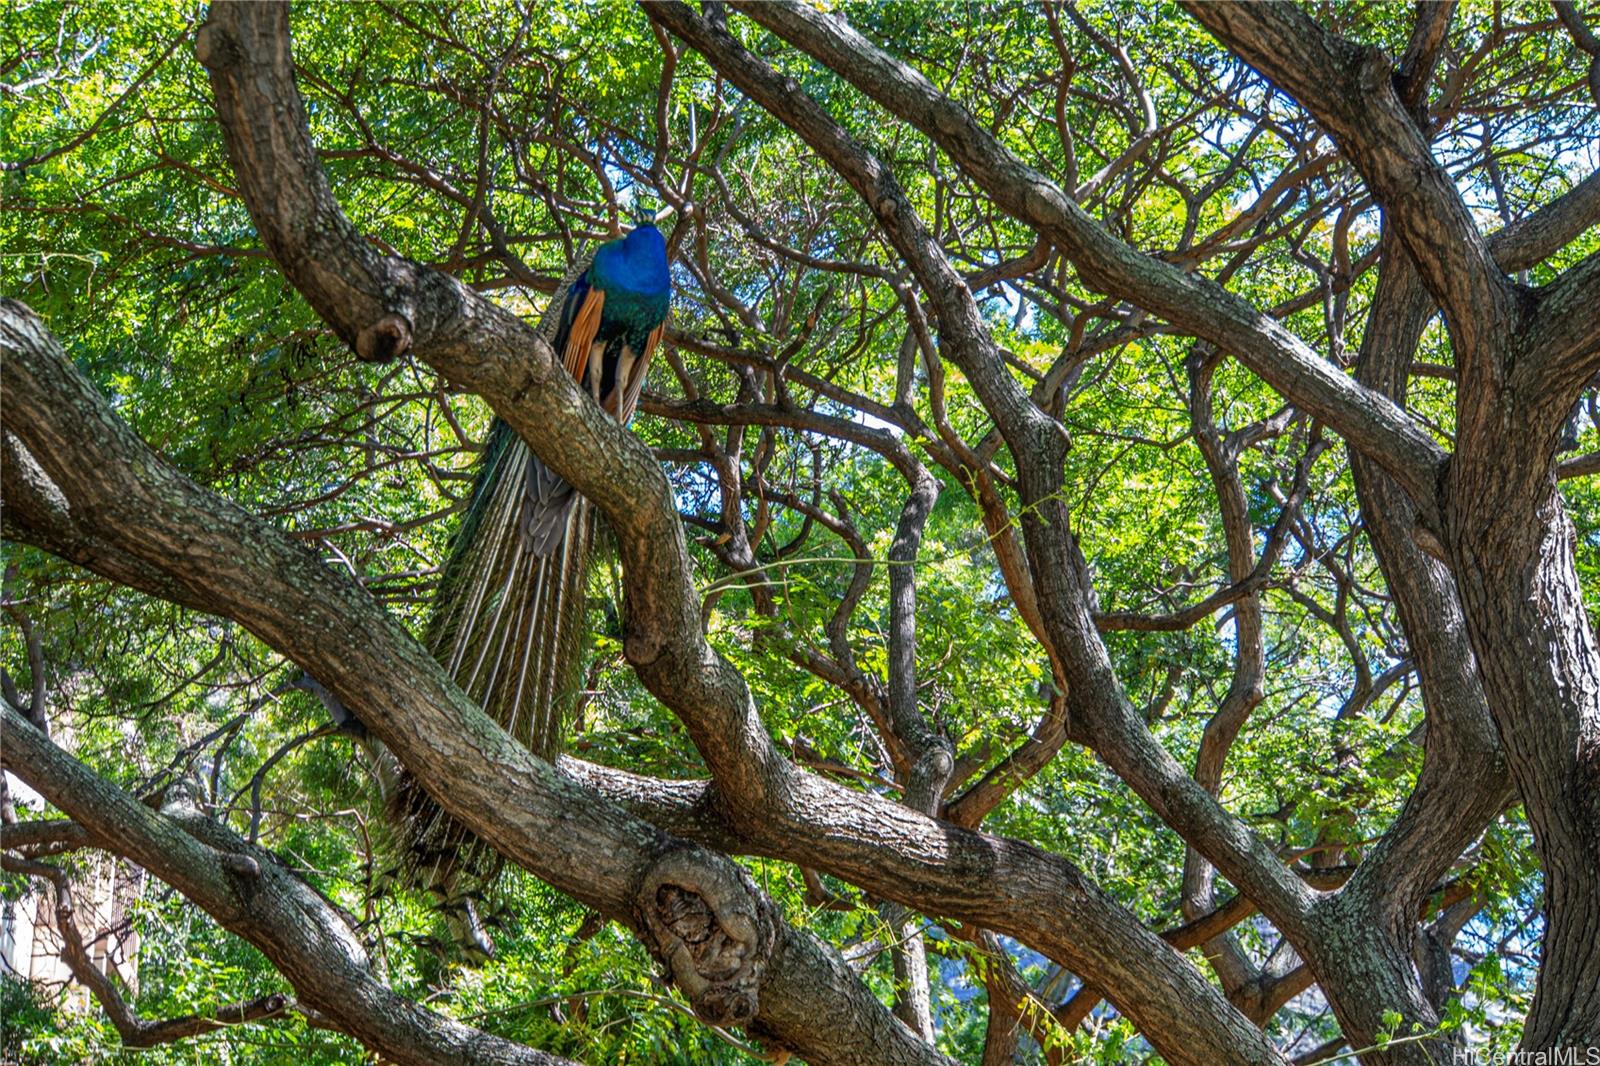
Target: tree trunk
[(1518, 577)]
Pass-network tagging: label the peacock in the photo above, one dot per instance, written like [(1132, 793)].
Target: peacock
[(508, 619)]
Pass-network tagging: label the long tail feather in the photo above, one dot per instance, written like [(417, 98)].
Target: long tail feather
[(507, 625), (508, 620)]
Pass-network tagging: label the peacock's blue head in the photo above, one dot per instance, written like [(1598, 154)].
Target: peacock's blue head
[(638, 262)]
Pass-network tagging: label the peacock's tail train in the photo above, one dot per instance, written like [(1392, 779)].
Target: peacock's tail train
[(507, 622), (507, 625)]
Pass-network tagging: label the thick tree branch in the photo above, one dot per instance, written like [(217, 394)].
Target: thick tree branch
[(43, 836), (1546, 231), (36, 512), (1444, 813), (1415, 69), (1563, 345)]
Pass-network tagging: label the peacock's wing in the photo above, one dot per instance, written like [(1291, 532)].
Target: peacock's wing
[(547, 498), (587, 309)]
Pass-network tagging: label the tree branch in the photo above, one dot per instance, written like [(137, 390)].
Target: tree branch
[(1563, 341), (1558, 223)]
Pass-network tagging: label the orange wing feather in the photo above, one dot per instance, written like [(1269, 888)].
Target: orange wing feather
[(580, 339)]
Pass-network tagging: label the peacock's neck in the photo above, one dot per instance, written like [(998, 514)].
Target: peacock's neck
[(632, 316)]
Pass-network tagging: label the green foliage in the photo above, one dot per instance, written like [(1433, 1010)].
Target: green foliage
[(25, 1015)]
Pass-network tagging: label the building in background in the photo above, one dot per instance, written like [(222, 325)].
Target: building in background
[(104, 896)]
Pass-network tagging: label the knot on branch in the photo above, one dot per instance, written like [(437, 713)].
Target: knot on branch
[(216, 48), (242, 866), (272, 1004), (713, 931), (385, 340)]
